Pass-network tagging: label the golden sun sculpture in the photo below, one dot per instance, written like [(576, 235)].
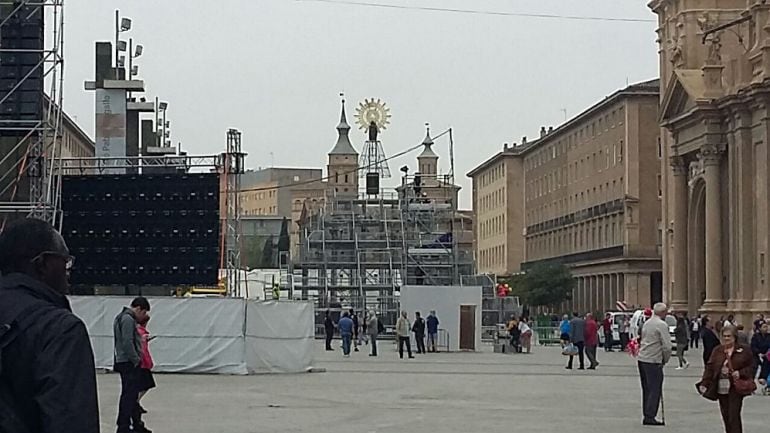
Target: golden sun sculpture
[(372, 110)]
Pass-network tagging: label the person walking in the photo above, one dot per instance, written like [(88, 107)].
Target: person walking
[(146, 379), (680, 333), (525, 335), (625, 328), (128, 358), (695, 327), (577, 328), (759, 322), (564, 330), (760, 345), (709, 336), (592, 341), (654, 353), (48, 378), (356, 324), (402, 332), (346, 327), (607, 329), (729, 377), (432, 324), (373, 329), (329, 330), (419, 332)]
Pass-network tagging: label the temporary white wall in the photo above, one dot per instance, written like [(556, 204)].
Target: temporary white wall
[(446, 301), (279, 336), (210, 335)]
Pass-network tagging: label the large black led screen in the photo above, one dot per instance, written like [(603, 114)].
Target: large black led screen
[(159, 230)]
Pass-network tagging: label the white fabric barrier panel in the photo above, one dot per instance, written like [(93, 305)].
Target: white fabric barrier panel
[(279, 337), (447, 301), (207, 335)]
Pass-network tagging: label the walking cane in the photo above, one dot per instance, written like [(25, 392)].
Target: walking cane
[(662, 407)]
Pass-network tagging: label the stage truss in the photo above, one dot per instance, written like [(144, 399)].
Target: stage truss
[(39, 142)]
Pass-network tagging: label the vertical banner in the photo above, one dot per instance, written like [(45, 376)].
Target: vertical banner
[(111, 126)]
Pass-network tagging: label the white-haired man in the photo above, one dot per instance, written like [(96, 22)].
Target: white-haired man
[(654, 353)]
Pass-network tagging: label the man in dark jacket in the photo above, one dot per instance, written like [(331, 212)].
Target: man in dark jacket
[(432, 323), (47, 374), (329, 330), (760, 346), (419, 332), (128, 352)]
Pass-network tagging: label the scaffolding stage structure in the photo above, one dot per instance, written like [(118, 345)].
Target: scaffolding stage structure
[(357, 252), (32, 58)]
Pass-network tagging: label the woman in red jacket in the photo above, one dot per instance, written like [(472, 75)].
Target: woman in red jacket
[(726, 377), (146, 380)]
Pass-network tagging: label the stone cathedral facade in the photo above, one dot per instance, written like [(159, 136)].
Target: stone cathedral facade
[(715, 119)]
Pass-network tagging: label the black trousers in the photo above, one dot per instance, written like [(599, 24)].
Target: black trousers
[(581, 355), (651, 376), (608, 341), (329, 337), (401, 342), (730, 406), (694, 337), (373, 339), (623, 340), (420, 339), (128, 407)]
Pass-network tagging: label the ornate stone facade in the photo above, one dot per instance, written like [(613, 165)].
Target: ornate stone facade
[(715, 69)]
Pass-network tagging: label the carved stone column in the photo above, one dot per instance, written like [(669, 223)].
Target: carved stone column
[(711, 156), (680, 217)]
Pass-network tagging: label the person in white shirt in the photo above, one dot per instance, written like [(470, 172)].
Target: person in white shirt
[(526, 335), (654, 353)]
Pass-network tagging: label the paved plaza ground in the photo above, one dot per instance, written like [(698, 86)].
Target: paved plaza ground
[(458, 392)]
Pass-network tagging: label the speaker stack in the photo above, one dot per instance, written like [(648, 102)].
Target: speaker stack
[(142, 230), (21, 70)]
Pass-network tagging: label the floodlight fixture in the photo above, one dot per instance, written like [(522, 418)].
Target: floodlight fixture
[(163, 106), (122, 46), (138, 50), (168, 123), (125, 24), (135, 70), (121, 61)]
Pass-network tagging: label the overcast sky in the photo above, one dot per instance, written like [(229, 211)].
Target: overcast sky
[(274, 69)]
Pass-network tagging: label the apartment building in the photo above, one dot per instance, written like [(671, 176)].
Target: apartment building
[(586, 194)]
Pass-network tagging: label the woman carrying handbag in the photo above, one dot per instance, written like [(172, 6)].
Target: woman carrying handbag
[(728, 378)]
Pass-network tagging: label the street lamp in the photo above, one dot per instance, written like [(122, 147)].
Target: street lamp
[(133, 52), (121, 25), (160, 106)]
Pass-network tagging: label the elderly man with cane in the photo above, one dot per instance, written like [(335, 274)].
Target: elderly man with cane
[(654, 353)]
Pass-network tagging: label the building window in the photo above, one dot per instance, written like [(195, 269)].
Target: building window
[(660, 149), (620, 152), (660, 187)]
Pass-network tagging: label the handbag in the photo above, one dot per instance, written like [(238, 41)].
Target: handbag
[(743, 387), (570, 350)]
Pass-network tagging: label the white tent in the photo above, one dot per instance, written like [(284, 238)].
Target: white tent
[(210, 335)]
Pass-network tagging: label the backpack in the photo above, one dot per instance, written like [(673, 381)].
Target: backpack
[(11, 325)]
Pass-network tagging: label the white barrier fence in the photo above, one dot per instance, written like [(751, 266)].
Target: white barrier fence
[(210, 335)]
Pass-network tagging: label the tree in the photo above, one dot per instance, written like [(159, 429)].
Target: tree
[(268, 259), (544, 285), (283, 237)]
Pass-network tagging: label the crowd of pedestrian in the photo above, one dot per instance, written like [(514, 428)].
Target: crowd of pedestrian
[(354, 332)]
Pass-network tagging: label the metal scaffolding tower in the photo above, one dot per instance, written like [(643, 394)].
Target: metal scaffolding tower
[(358, 252), (31, 117), (232, 167)]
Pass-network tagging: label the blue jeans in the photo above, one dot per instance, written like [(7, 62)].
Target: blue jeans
[(346, 343)]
